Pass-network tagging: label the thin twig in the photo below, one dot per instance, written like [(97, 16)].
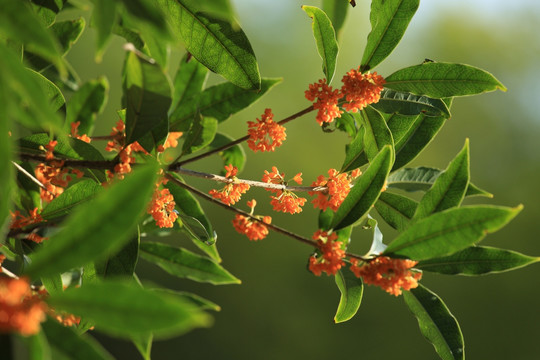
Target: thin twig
[(30, 176)]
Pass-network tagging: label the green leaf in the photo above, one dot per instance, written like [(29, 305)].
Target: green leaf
[(97, 228), (422, 178), (37, 345), (336, 12), (147, 12), (185, 264), (325, 38), (220, 102), (449, 231), (365, 192), (351, 289), (46, 10), (103, 17), (449, 189), (53, 94), (396, 210), (122, 263), (436, 322), (389, 20), (53, 284), (354, 152), (148, 97), (68, 32), (125, 309), (86, 104), (440, 80), (7, 179), (188, 82), (234, 155), (19, 23), (201, 134), (144, 345), (73, 345), (219, 45), (197, 300), (477, 260), (376, 134), (73, 196), (405, 103)]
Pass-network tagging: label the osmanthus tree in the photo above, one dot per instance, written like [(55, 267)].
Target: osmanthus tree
[(76, 207)]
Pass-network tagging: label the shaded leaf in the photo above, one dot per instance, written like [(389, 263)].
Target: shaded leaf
[(221, 46), (132, 311), (449, 231), (122, 263), (201, 134), (440, 80), (103, 17), (146, 11), (7, 179), (53, 283), (73, 196), (188, 82), (68, 32), (46, 10), (396, 210), (336, 12), (405, 103), (436, 322), (351, 289), (355, 155), (37, 345), (325, 38), (389, 20), (376, 133), (87, 102), (365, 192), (89, 234), (477, 260), (53, 94), (185, 264)]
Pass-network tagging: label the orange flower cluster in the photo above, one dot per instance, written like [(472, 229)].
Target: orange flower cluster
[(327, 100), (171, 142), (232, 192), (52, 175), (124, 152), (162, 205), (358, 89), (2, 258), (19, 221), (332, 254), (75, 132), (265, 134), (338, 184), (361, 90), (254, 230), (284, 200), (392, 275), (20, 310)]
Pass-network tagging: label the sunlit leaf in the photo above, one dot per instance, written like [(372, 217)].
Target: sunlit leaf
[(188, 82), (436, 322), (449, 231), (396, 210), (351, 289), (477, 260), (405, 103), (376, 133), (325, 38), (337, 12), (201, 134)]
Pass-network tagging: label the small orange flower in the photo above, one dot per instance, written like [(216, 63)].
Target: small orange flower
[(361, 90), (254, 230), (171, 142), (231, 192), (125, 153), (265, 134), (338, 187), (327, 100), (161, 207), (2, 258), (331, 255), (75, 132), (19, 221), (391, 275), (20, 310), (283, 200)]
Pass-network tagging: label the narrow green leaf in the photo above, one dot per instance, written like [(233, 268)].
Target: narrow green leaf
[(38, 347), (46, 10), (365, 192), (53, 283), (185, 264), (86, 104), (396, 210), (125, 309), (221, 9), (325, 38), (7, 179), (73, 196), (449, 231), (389, 20), (347, 123), (220, 102), (97, 228), (449, 189), (19, 23), (103, 17), (436, 322), (405, 103), (144, 345), (422, 178), (477, 260), (337, 12), (351, 289), (201, 134), (53, 94), (188, 82), (68, 32), (202, 303), (121, 264), (440, 80), (354, 152), (147, 12), (234, 155), (221, 46), (376, 134), (73, 345), (148, 97)]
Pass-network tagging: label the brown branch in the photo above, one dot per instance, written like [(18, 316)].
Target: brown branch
[(90, 164)]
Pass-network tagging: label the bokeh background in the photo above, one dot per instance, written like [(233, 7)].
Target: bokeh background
[(281, 311)]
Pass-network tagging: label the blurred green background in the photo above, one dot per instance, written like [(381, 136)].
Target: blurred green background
[(281, 311)]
